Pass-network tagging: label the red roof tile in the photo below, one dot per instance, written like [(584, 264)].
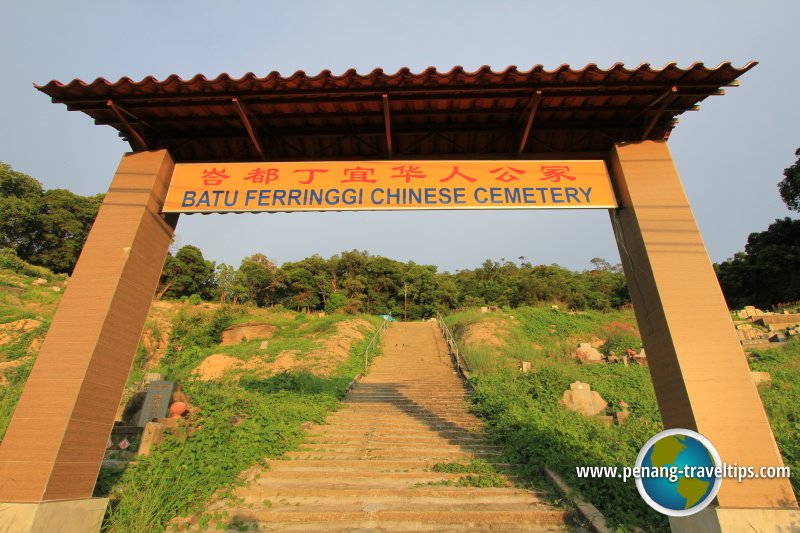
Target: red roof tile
[(471, 114)]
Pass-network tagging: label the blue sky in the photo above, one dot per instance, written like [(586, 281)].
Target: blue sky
[(730, 154)]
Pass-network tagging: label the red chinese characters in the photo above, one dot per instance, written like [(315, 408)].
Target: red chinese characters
[(507, 174), (458, 173), (310, 172), (408, 172), (213, 176), (262, 176), (359, 174), (554, 173)]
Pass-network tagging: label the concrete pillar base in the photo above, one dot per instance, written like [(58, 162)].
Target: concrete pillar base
[(738, 520), (65, 516)]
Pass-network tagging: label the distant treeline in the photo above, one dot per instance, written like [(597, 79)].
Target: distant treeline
[(357, 282)]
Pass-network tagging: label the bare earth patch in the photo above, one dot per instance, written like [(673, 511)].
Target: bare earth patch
[(486, 332), (321, 361), (336, 349), (11, 332), (241, 332), (214, 366)]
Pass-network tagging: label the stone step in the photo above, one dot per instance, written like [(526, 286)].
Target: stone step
[(385, 526), (402, 424), (402, 465), (390, 431), (363, 480), (373, 455), (421, 433), (471, 518), (387, 416), (391, 447), (443, 494), (397, 440)]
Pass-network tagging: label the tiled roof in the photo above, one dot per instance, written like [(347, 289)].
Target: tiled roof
[(483, 114)]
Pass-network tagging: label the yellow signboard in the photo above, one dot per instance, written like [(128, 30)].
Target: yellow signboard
[(388, 185)]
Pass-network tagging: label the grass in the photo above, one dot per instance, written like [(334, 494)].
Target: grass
[(536, 333), (179, 477), (9, 394), (523, 414), (781, 399)]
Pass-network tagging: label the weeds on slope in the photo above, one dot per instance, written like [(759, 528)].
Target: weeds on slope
[(239, 425), (522, 410)]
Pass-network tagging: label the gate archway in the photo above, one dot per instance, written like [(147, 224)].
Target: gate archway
[(501, 128)]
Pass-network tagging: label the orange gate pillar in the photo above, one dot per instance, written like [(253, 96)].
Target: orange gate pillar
[(52, 451), (700, 374)]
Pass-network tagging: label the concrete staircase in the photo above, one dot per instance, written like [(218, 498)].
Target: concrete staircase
[(370, 468)]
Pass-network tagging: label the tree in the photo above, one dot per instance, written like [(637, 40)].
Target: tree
[(187, 273), (768, 272), (257, 274), (789, 187), (46, 228), (19, 209), (63, 226)]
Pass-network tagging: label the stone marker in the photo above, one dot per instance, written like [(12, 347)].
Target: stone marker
[(586, 352), (150, 377), (582, 399), (607, 420), (525, 366), (152, 436), (622, 416), (264, 345), (760, 377), (156, 403), (39, 281), (56, 289)]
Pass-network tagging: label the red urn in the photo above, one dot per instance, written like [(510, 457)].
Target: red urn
[(177, 409)]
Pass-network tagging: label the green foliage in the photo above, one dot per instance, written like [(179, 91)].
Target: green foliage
[(506, 284), (336, 301), (195, 299), (619, 340), (47, 228), (789, 187), (9, 260), (476, 466), (187, 273), (781, 398), (766, 273), (523, 414)]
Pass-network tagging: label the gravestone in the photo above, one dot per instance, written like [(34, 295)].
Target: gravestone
[(152, 436), (156, 403), (586, 352), (760, 377), (525, 366), (264, 345), (581, 398)]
